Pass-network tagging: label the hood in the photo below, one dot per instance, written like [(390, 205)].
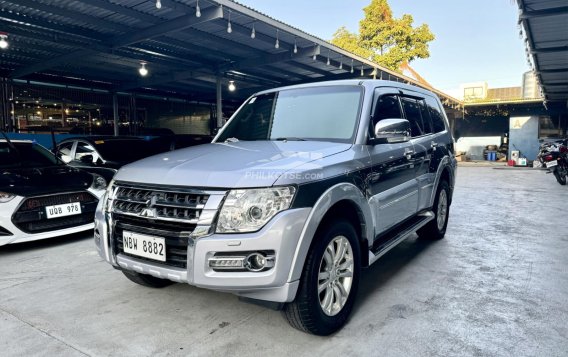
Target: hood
[(229, 165), (42, 181)]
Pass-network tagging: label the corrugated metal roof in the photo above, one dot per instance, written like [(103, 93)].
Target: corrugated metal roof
[(109, 39), (545, 26)]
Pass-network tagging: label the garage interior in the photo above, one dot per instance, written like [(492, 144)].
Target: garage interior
[(185, 66)]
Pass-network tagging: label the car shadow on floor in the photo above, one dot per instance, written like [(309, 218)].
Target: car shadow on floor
[(388, 266), (46, 243)]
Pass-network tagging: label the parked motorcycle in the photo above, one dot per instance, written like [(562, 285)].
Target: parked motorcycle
[(554, 156)]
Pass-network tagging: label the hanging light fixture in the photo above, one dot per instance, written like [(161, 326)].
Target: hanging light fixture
[(341, 63), (295, 46), (232, 86), (362, 71), (143, 70), (229, 27), (315, 57), (197, 10), (328, 60), (158, 4), (277, 44), (253, 32), (3, 40), (351, 66)]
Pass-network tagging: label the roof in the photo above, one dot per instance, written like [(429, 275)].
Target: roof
[(353, 82), (101, 44), (545, 26)]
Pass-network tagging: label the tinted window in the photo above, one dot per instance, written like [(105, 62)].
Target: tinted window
[(425, 117), (25, 155), (387, 108), (412, 111), (436, 115), (321, 113)]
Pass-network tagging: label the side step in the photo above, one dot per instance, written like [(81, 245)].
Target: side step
[(413, 225)]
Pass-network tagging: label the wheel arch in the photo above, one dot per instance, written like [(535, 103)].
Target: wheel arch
[(445, 172), (343, 197)]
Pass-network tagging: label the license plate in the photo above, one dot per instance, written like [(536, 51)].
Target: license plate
[(144, 245), (67, 209), (551, 163)]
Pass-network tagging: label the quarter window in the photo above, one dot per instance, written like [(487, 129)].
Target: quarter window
[(438, 121)]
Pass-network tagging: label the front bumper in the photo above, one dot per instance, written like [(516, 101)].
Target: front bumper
[(16, 235), (280, 235)]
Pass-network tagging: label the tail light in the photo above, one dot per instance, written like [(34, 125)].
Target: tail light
[(548, 158)]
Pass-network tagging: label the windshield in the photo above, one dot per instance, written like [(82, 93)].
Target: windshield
[(127, 150), (320, 113), (27, 155)]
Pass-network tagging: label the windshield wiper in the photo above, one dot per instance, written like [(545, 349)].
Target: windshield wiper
[(290, 138), (231, 140)]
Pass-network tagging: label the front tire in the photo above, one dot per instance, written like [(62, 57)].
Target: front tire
[(436, 228), (146, 280), (329, 281)]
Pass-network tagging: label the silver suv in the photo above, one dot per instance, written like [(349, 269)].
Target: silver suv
[(304, 186)]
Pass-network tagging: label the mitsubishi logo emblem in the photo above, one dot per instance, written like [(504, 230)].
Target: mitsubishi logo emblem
[(148, 213)]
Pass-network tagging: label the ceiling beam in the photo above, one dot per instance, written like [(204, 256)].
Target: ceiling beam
[(52, 8), (549, 50), (273, 58), (529, 14), (177, 24)]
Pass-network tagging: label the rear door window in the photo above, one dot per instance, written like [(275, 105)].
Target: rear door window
[(413, 115)]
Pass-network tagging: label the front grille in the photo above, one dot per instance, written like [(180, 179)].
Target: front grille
[(168, 205), (168, 212), (32, 218), (33, 203), (176, 238)]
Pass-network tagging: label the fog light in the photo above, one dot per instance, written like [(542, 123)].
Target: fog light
[(258, 262)]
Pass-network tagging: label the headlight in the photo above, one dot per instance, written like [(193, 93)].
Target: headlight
[(248, 210), (99, 182), (6, 197), (107, 197)]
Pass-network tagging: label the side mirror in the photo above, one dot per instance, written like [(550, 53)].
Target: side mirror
[(392, 131)]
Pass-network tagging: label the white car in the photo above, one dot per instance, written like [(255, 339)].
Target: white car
[(42, 197)]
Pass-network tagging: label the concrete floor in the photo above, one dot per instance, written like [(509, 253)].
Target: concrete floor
[(496, 286)]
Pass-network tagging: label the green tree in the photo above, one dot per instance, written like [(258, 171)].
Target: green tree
[(384, 39)]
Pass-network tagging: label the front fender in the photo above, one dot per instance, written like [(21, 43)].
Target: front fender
[(339, 192)]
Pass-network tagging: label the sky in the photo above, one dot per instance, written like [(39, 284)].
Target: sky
[(475, 40)]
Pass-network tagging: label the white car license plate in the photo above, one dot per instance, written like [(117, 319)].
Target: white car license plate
[(67, 209), (144, 245), (551, 163)]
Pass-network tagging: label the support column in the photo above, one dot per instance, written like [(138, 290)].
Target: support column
[(115, 113), (219, 103)]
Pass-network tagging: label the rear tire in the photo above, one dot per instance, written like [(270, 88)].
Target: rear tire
[(436, 228), (560, 174), (329, 282), (146, 280)]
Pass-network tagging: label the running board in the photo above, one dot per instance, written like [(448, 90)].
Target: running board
[(421, 220)]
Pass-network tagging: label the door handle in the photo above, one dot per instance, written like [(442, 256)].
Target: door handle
[(408, 153), (434, 145)]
